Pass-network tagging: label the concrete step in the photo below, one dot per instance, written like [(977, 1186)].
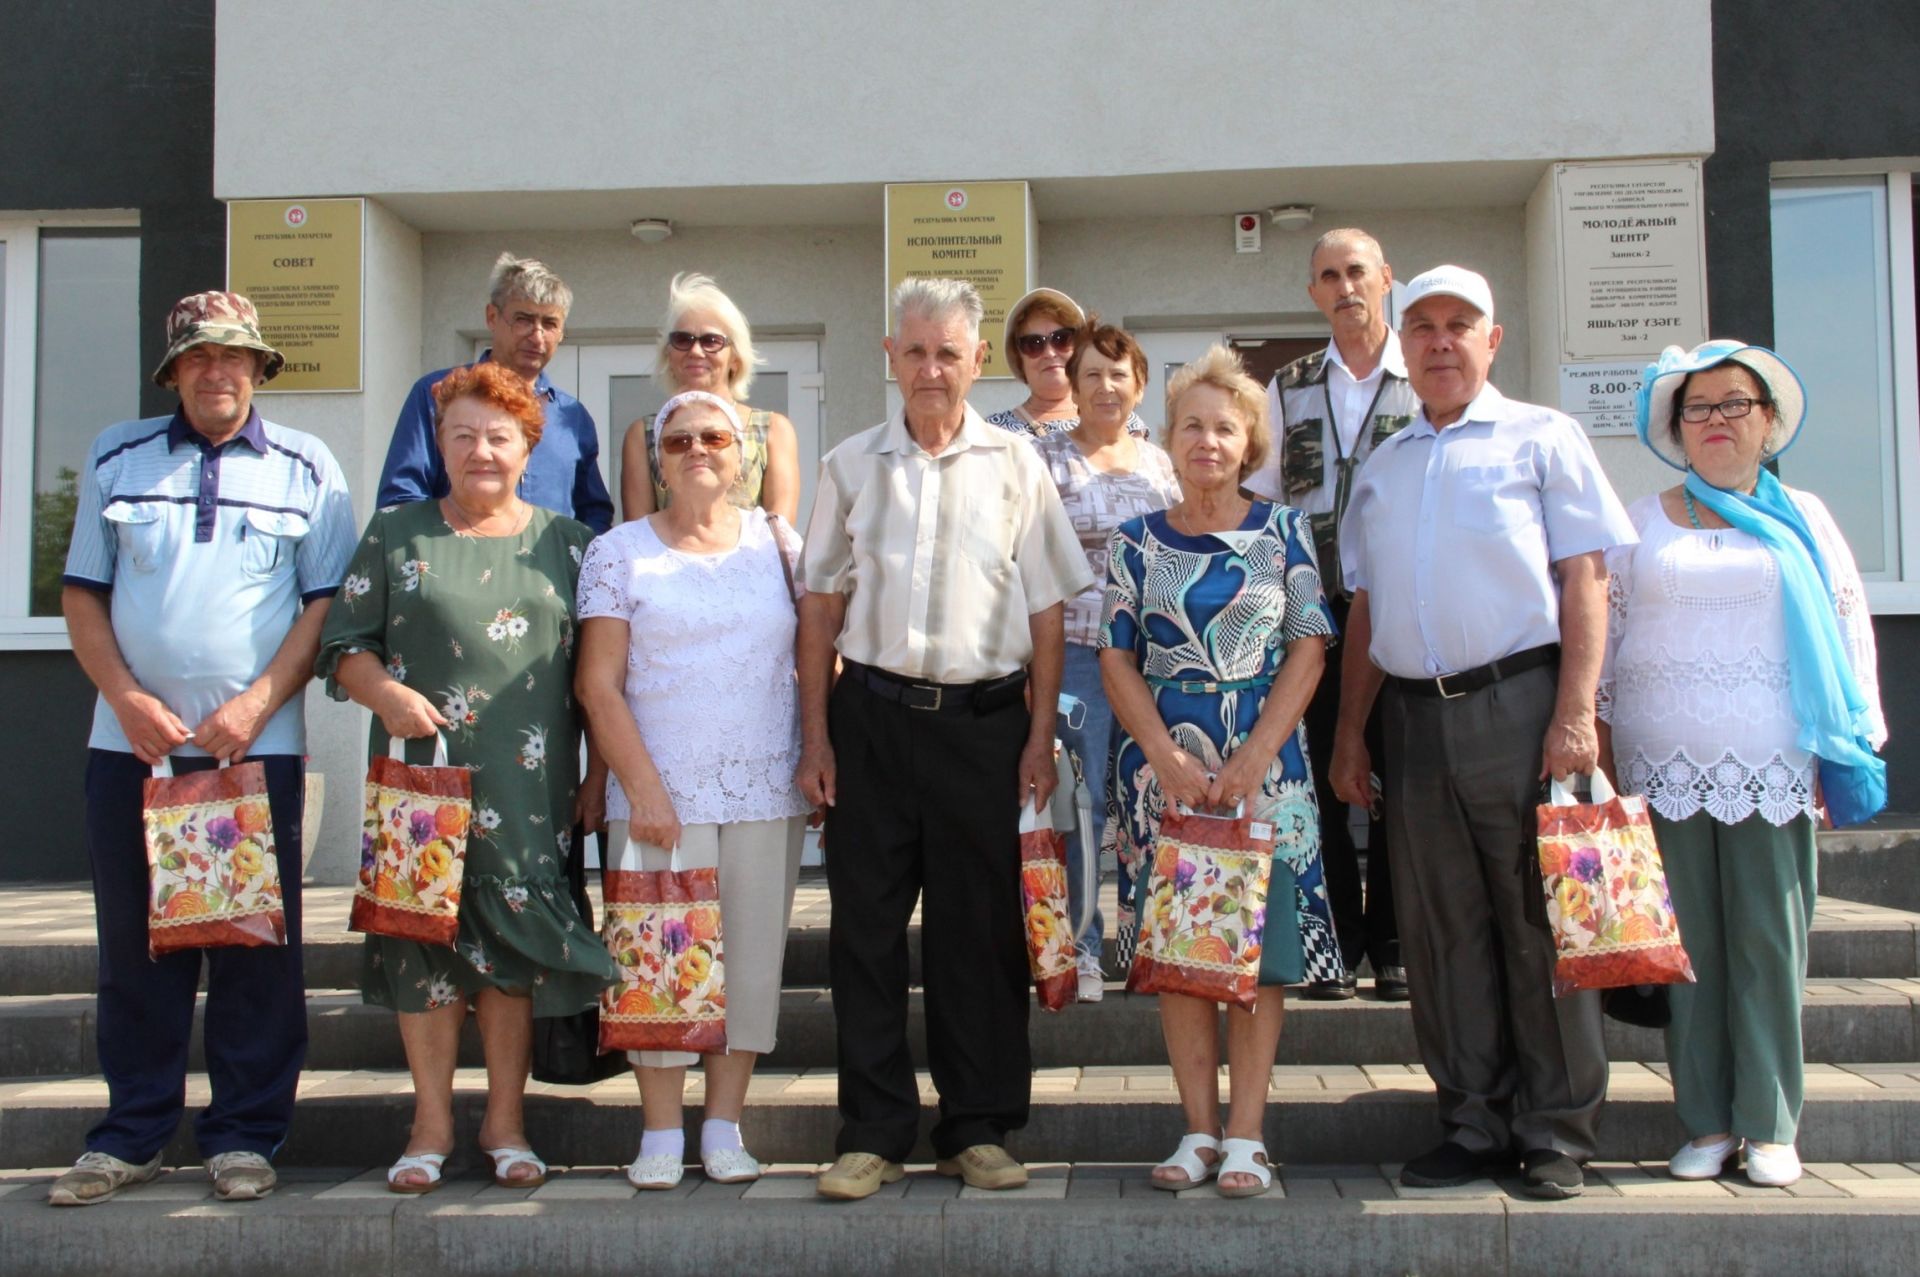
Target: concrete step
[(1071, 1219), (47, 939), (1082, 1218), (1382, 1113), (1878, 862), (1844, 1022)]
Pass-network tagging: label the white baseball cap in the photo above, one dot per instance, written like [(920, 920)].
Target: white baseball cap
[(1450, 281)]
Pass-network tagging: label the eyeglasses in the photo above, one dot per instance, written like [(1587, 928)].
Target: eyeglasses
[(1731, 409), (1061, 339), (683, 341), (711, 440)]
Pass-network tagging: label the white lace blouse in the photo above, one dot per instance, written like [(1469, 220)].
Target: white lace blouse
[(710, 677), (1695, 678)]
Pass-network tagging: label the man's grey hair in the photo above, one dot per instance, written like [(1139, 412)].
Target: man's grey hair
[(1346, 235), (938, 299), (526, 279)]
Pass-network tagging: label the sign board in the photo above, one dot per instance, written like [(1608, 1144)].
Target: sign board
[(299, 262), (1600, 395), (1633, 258), (982, 232)]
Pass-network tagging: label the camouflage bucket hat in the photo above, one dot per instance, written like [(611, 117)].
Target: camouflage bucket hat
[(214, 319)]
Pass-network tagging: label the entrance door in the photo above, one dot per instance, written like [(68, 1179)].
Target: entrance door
[(616, 385)]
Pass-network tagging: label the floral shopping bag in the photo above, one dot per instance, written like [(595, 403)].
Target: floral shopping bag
[(1203, 907), (1607, 898), (663, 928), (413, 847), (1043, 903), (212, 876)]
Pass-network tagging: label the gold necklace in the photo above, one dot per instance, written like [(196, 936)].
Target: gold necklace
[(473, 525)]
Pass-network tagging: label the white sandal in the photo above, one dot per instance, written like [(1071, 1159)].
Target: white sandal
[(427, 1164), (1187, 1160), (662, 1170), (1239, 1160), (505, 1159), (730, 1166)]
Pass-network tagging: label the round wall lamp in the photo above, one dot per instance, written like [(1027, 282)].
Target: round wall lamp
[(651, 230), (1288, 217)]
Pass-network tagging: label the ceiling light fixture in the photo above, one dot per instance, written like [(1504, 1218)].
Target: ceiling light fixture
[(1291, 217), (651, 230)]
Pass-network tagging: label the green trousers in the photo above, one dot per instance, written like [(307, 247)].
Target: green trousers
[(1743, 895)]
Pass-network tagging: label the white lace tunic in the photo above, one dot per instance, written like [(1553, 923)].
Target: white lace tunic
[(710, 676), (1695, 679)]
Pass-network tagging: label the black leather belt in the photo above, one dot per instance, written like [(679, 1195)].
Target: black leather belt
[(980, 698), (1448, 686)]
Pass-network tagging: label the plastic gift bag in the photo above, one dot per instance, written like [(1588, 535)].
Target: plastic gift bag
[(213, 878), (413, 847), (663, 929), (1607, 898), (1202, 908), (1051, 956)]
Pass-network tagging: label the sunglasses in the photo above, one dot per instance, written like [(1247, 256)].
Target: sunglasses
[(712, 343), (1061, 339), (711, 440)]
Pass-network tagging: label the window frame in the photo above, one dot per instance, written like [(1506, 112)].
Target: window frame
[(19, 369), (1899, 595)]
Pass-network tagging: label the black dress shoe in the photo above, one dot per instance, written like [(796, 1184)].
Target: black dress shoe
[(1447, 1166), (1550, 1174), (1333, 990), (1391, 985)]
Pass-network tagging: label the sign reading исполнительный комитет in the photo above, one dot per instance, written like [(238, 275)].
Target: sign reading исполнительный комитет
[(982, 232)]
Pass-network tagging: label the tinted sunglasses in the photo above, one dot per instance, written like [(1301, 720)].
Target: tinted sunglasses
[(711, 440), (1061, 339), (712, 343)]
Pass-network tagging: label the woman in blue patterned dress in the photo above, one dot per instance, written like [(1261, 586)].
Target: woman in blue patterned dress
[(1221, 591)]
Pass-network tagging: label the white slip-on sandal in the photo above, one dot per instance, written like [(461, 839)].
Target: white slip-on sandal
[(1187, 1159), (1244, 1157), (662, 1170), (505, 1159), (427, 1164), (730, 1166)]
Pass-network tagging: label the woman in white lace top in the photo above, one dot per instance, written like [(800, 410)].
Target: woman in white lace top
[(1708, 642), (687, 677)]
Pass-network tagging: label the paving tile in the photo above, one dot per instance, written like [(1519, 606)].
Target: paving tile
[(1832, 1171), (1886, 1170), (1907, 1190)]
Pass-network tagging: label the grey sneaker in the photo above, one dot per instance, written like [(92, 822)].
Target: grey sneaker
[(98, 1176), (241, 1176)]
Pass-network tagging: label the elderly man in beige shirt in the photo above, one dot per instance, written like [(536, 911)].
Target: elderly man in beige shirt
[(938, 561)]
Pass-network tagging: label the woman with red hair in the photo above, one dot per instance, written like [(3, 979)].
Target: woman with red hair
[(456, 621)]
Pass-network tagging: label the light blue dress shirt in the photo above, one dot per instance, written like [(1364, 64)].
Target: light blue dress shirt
[(1453, 533)]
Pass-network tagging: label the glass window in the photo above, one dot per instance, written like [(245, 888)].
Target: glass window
[(87, 377), (1833, 322)]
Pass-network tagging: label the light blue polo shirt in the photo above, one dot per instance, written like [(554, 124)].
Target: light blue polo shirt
[(209, 554)]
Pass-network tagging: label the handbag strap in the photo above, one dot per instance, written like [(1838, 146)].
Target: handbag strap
[(397, 749), (1559, 795), (163, 770), (776, 525)]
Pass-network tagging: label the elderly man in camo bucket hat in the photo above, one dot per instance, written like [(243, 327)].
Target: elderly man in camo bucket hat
[(215, 319), (207, 546)]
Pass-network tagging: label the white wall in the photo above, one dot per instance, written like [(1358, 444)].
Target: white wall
[(359, 97)]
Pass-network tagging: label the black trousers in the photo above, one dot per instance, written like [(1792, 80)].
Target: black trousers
[(1362, 920), (256, 1016), (926, 811), (1513, 1066)]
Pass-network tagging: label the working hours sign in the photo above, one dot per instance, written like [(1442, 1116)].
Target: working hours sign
[(299, 263), (981, 232)]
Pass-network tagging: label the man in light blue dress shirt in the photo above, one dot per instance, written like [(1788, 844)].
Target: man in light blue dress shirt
[(1474, 545)]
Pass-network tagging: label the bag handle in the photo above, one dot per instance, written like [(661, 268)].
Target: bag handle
[(163, 770), (397, 749), (1239, 810), (1559, 795), (776, 523), (1032, 816)]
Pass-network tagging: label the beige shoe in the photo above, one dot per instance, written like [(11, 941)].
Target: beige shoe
[(857, 1175), (241, 1176), (985, 1166), (96, 1177)]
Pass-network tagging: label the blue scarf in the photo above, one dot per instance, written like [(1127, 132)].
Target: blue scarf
[(1826, 697)]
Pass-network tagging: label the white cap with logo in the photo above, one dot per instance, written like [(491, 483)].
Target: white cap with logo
[(1450, 281)]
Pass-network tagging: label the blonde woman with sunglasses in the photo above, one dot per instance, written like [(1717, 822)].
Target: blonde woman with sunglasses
[(687, 677), (705, 344)]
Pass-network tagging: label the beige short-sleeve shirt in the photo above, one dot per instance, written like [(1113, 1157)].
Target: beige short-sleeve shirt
[(941, 559)]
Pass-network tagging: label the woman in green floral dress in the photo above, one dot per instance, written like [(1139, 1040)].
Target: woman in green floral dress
[(456, 618)]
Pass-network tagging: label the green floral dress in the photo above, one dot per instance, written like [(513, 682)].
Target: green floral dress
[(483, 627)]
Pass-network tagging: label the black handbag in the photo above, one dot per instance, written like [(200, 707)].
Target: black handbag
[(566, 1048)]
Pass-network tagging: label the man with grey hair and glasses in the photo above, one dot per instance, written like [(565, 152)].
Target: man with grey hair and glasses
[(527, 307), (937, 564)]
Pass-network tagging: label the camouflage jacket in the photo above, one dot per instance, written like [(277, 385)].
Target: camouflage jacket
[(1306, 436)]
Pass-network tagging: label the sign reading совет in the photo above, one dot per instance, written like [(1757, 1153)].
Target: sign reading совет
[(299, 261)]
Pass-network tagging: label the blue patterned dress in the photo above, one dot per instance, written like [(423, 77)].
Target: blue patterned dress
[(1222, 608)]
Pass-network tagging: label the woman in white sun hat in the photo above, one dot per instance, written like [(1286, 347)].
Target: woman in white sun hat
[(1739, 685)]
